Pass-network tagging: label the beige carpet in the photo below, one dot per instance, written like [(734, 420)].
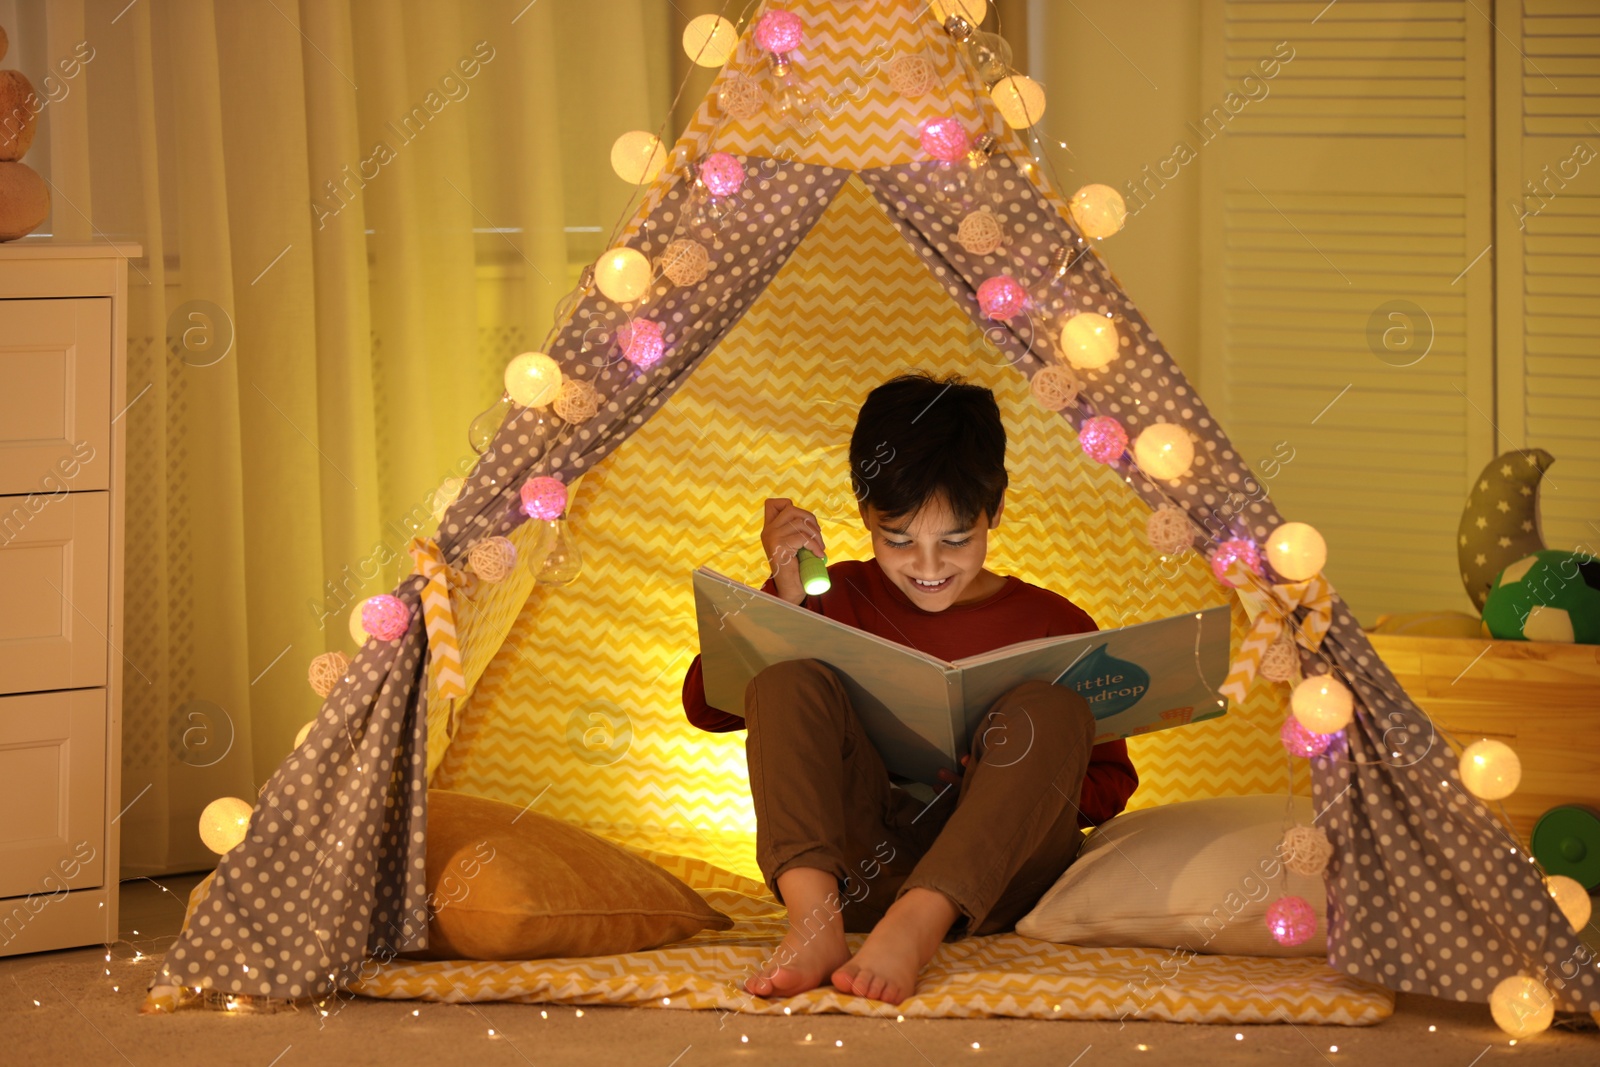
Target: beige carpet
[(84, 1016)]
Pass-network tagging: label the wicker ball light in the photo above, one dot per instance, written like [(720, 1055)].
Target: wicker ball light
[(1169, 530), (911, 75), (578, 401), (493, 558), (684, 262), (326, 670), (1279, 661), (1055, 386), (740, 97), (1306, 850), (980, 233)]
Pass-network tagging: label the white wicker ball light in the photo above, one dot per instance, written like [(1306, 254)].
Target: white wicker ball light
[(1169, 530), (710, 40), (623, 274), (325, 672), (1019, 99), (493, 558), (578, 401), (980, 233), (1323, 704), (532, 379), (1055, 386), (638, 156)]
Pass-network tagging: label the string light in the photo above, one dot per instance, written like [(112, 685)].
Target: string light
[(1490, 770)]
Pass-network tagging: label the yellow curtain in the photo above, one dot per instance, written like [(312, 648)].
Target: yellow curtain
[(379, 202)]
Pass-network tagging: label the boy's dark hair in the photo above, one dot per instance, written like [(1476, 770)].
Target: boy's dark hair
[(918, 437)]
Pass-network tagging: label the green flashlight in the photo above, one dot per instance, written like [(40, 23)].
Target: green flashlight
[(813, 572)]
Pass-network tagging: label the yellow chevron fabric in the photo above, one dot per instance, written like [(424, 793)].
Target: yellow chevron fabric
[(843, 62), (580, 707), (446, 683), (1004, 975), (483, 618)]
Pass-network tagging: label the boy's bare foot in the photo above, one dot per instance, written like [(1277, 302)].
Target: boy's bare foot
[(905, 938), (814, 946)]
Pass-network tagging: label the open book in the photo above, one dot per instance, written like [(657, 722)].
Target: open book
[(920, 711)]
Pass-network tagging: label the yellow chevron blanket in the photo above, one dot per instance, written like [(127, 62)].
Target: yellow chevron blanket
[(1003, 975)]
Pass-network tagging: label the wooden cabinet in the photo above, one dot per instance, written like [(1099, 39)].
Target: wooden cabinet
[(1542, 699), (63, 329)]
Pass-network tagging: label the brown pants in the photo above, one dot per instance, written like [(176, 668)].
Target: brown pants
[(823, 799)]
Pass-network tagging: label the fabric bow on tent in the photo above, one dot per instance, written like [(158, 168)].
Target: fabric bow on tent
[(1278, 604)]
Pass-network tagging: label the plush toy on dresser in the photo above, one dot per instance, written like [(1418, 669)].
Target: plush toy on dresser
[(1526, 591), (24, 197)]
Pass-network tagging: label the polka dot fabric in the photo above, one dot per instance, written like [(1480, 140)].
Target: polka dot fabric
[(331, 869), (1427, 892)]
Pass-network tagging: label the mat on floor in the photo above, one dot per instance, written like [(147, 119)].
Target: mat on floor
[(1003, 975)]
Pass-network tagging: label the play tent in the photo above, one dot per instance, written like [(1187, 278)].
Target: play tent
[(838, 263)]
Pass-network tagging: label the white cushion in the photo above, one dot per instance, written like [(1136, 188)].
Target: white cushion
[(1197, 875)]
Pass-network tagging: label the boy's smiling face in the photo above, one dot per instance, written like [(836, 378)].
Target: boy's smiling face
[(931, 546)]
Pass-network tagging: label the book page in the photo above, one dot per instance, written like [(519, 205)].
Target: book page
[(905, 699), (1137, 679)]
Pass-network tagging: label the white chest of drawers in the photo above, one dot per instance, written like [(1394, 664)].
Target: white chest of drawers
[(63, 330)]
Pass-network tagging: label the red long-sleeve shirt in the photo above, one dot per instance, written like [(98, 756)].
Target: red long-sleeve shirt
[(863, 597)]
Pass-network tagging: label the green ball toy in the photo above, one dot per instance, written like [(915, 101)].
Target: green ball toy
[(1548, 596)]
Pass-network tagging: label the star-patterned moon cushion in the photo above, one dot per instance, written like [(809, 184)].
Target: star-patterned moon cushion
[(1500, 524)]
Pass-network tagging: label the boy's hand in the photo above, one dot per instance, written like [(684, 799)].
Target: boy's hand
[(954, 777), (785, 531)]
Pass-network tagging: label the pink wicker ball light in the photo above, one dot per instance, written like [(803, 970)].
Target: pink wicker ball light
[(1299, 741), (1291, 920), (385, 617), (1103, 438), (641, 342), (944, 138), (1001, 297), (1238, 549), (544, 497), (723, 174), (779, 31)]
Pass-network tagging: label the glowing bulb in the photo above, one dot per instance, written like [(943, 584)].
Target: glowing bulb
[(638, 156), (533, 379), (1164, 450), (1019, 99), (1098, 210), (1522, 1006), (971, 10), (223, 823), (710, 40), (1322, 703), (1571, 898), (357, 631), (1490, 770), (1089, 341), (1296, 551), (623, 274)]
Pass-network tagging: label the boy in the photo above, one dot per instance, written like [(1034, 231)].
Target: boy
[(927, 463)]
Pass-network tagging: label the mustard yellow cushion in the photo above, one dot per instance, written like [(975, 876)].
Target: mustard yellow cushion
[(505, 883)]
